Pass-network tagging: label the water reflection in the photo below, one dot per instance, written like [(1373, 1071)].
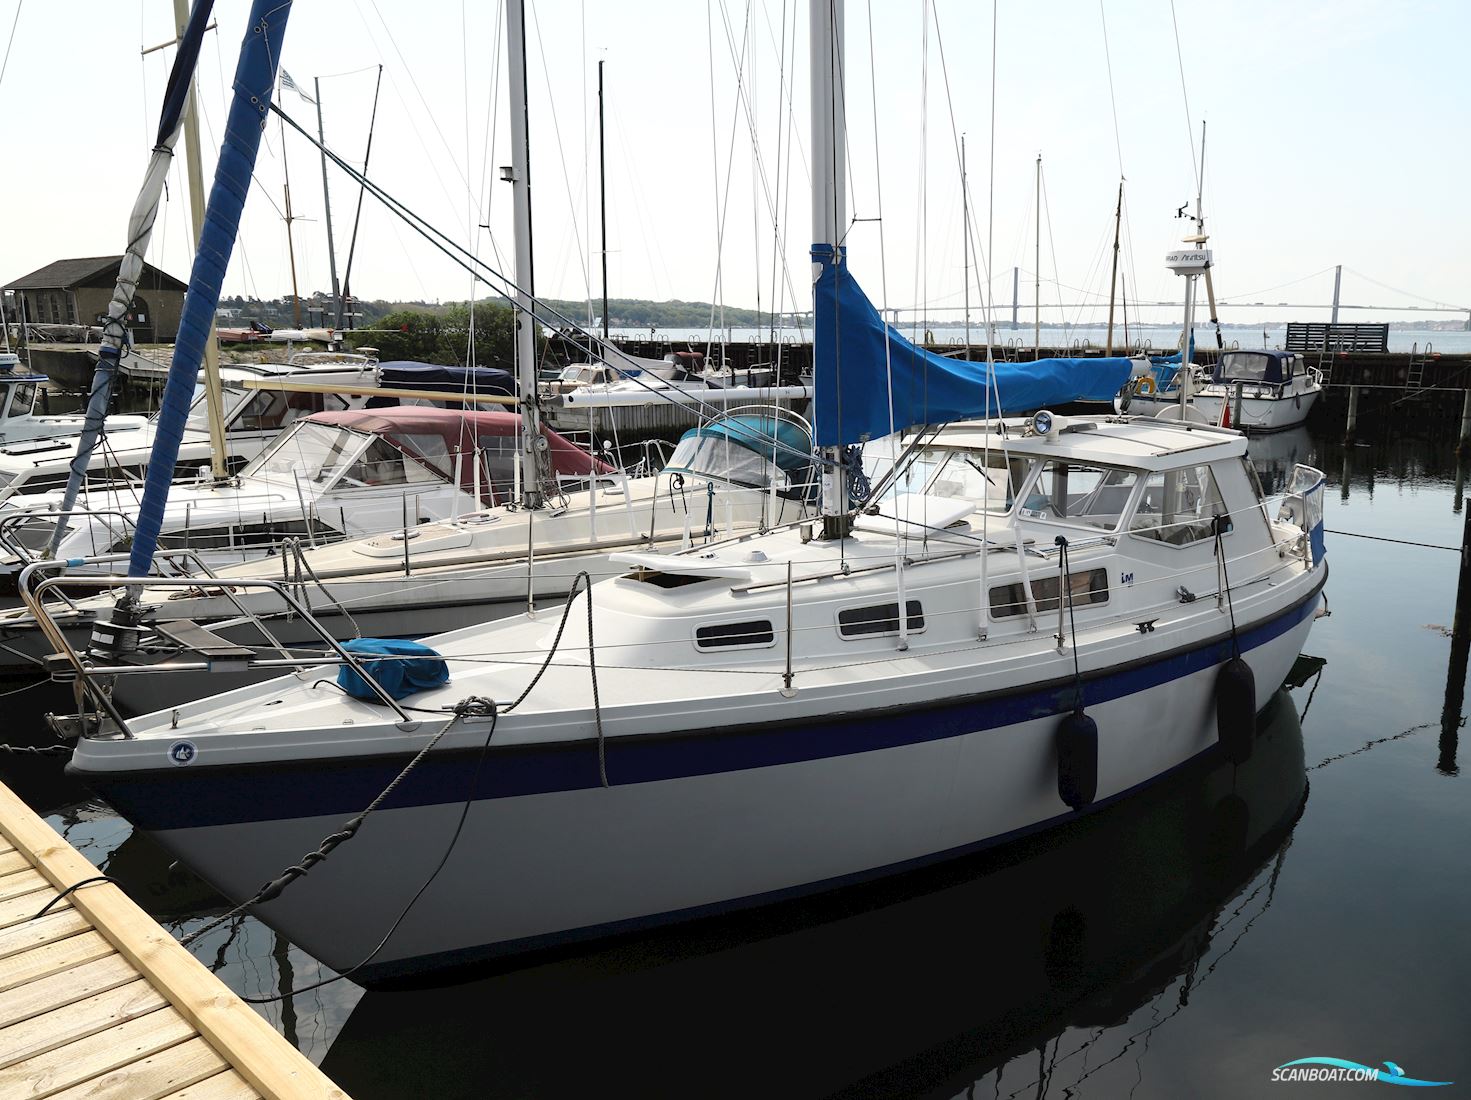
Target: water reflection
[(933, 981)]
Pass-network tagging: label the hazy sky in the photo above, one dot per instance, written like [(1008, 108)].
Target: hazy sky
[(1335, 137)]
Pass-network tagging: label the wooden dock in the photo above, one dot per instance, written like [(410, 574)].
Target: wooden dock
[(97, 1000)]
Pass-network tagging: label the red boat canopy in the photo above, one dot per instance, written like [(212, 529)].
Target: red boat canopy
[(461, 431)]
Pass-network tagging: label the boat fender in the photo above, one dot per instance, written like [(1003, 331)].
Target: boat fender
[(1077, 760), (1236, 709), (1147, 386)]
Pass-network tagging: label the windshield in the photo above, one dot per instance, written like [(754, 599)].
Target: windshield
[(231, 398), (717, 457), (1246, 367), (1094, 496), (988, 479), (312, 452)]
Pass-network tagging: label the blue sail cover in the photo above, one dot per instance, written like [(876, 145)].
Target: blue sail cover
[(852, 405)]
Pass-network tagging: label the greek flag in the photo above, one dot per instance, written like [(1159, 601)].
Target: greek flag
[(287, 82)]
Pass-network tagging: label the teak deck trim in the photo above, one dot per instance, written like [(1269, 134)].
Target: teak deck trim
[(265, 1061)]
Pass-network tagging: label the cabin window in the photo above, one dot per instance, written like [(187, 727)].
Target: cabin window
[(384, 464), (750, 635), (22, 400), (1178, 507), (878, 619), (1086, 588), (266, 411), (1094, 496)]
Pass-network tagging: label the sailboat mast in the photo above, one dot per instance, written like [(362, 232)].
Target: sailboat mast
[(1113, 276), (1210, 287), (965, 242), (603, 198), (1037, 271), (533, 443), (352, 243), (326, 202), (829, 202), (290, 244), (214, 398)]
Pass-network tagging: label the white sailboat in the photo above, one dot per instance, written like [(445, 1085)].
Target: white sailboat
[(1025, 621)]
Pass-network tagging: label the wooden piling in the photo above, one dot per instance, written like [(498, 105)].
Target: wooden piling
[(1455, 680), (1353, 414)]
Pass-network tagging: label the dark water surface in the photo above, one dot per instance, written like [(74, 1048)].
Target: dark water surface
[(1314, 902)]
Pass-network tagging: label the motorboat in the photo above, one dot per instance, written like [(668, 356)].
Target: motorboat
[(23, 413), (1256, 391), (253, 417)]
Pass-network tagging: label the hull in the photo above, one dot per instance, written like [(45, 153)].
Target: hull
[(1258, 414), (693, 823)]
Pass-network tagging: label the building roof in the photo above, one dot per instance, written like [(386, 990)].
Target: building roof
[(70, 273)]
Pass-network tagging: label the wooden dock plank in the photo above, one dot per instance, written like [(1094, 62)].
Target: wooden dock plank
[(227, 1025), (76, 1021), (222, 1086), (95, 1055), (66, 988), (153, 1077), (52, 958), (12, 861), (56, 925), (22, 882), (24, 908)]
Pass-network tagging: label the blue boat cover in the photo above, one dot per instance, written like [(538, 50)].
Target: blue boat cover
[(413, 667), (756, 432), (852, 405), (432, 376)]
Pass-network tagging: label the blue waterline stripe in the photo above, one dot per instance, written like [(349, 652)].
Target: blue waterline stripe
[(204, 795)]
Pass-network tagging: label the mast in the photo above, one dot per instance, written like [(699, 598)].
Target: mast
[(1202, 237), (829, 202), (352, 244), (290, 244), (603, 198), (326, 197), (533, 443), (213, 388), (965, 242), (1037, 272), (1113, 276)]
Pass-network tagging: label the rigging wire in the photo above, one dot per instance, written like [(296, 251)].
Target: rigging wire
[(11, 42), (1185, 94), (1112, 102)]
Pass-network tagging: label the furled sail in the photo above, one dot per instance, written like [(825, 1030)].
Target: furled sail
[(855, 350), (255, 77), (140, 231)]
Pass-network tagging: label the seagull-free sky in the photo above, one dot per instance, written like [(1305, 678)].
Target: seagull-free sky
[(1334, 136)]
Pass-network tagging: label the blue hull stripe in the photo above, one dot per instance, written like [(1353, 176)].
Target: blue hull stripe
[(204, 795)]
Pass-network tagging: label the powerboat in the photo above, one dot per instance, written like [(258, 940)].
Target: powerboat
[(253, 417), (1255, 391)]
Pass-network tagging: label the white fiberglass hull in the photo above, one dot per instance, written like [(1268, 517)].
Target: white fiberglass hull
[(803, 794), (1258, 414)]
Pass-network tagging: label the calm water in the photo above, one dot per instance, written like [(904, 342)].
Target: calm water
[(1312, 902)]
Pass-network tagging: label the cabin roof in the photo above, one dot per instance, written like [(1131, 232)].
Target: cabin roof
[(1144, 443)]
